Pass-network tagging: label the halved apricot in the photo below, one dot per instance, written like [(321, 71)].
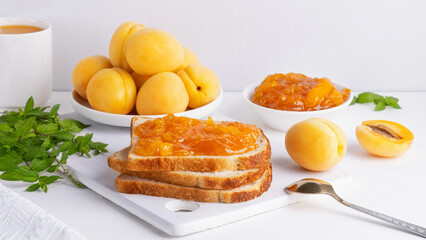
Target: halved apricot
[(384, 138)]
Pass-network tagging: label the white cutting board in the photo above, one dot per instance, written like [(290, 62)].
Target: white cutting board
[(161, 212)]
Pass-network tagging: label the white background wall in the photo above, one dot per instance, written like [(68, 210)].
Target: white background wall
[(365, 45)]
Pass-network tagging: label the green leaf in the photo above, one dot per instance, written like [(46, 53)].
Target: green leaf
[(354, 100), (73, 125), (41, 164), (99, 147), (391, 100), (35, 152), (396, 106), (53, 168), (33, 187), (47, 128), (66, 146), (4, 127), (380, 106), (23, 127), (49, 179), (64, 158), (43, 186), (54, 110), (63, 135), (20, 173), (368, 97), (84, 140), (10, 160), (46, 144), (29, 105)]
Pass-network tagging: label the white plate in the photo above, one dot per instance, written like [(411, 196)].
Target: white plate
[(161, 212), (83, 107)]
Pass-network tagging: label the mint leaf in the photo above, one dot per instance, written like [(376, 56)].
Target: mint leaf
[(41, 164), (34, 140), (53, 168), (380, 106), (47, 128), (49, 179), (29, 105), (4, 127), (391, 100), (35, 152), (46, 144), (33, 187), (63, 135), (43, 186), (10, 160), (380, 101), (20, 173), (73, 125), (54, 110), (23, 127), (368, 97), (396, 106)]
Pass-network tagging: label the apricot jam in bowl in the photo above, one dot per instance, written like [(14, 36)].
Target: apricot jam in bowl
[(282, 100)]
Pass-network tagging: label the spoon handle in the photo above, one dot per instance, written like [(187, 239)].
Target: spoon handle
[(403, 224)]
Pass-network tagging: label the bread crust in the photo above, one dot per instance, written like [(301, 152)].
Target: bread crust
[(232, 180), (134, 185)]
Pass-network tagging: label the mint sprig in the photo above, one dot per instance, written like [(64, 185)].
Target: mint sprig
[(35, 143), (380, 101)]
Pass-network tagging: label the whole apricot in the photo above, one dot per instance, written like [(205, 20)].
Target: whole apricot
[(316, 144), (201, 83), (384, 138), (153, 51), (84, 71), (118, 44), (189, 57), (162, 93), (112, 90)]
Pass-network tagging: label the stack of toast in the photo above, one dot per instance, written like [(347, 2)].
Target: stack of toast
[(228, 179)]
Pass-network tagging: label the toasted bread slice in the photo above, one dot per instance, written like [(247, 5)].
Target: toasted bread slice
[(207, 180), (136, 185), (249, 160)]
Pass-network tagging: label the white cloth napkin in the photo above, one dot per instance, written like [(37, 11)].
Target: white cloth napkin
[(21, 219)]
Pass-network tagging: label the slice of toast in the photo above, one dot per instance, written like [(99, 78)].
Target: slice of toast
[(249, 160), (206, 180), (136, 185)]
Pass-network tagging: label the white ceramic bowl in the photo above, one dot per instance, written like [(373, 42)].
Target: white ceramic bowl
[(82, 106), (282, 120)]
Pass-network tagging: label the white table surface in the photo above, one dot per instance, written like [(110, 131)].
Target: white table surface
[(395, 186)]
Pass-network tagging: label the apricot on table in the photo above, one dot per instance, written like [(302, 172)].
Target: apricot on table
[(84, 71), (153, 51), (162, 93), (384, 138), (112, 90), (316, 144), (201, 83), (118, 44), (189, 57)]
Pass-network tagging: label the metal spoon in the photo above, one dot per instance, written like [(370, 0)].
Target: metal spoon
[(316, 186)]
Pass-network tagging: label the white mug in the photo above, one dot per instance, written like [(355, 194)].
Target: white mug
[(25, 63)]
